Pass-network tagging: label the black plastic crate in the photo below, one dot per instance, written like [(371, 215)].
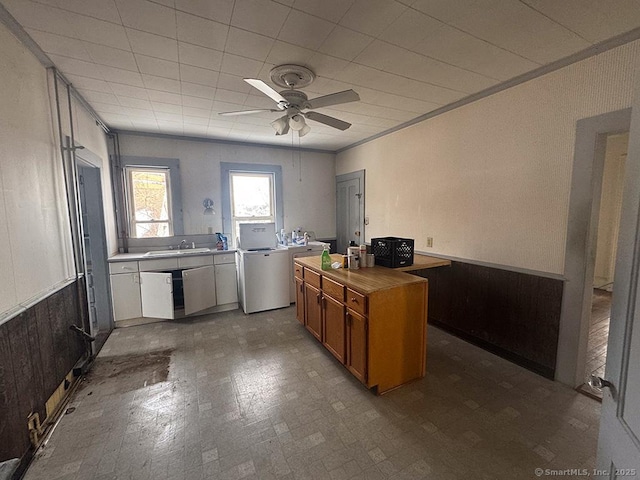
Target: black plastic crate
[(393, 252)]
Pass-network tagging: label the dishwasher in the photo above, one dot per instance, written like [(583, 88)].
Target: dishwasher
[(263, 269)]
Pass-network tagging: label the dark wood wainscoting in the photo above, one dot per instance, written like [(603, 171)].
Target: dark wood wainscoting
[(514, 315), (37, 350)]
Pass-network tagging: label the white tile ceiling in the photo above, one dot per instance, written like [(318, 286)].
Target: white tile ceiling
[(170, 66)]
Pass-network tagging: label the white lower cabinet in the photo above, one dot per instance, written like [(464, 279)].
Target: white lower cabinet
[(125, 290), (156, 292), (199, 289), (167, 294), (226, 283)]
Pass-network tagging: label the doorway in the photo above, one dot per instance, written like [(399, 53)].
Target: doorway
[(95, 252), (606, 243), (581, 240), (349, 210)]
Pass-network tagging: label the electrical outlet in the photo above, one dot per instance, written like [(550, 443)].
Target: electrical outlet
[(429, 241)]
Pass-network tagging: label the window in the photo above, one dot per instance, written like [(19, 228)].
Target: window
[(252, 198), (149, 201)]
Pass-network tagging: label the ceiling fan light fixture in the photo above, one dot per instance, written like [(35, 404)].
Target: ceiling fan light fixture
[(304, 130), (281, 125), (296, 122)]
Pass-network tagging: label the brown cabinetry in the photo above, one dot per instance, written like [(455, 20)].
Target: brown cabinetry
[(334, 338), (300, 300), (313, 310), (372, 320), (357, 345)]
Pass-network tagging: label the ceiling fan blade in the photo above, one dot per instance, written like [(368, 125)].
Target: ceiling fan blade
[(267, 90), (247, 112), (327, 120), (333, 99)]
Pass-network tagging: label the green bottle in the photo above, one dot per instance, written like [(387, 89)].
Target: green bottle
[(326, 259)]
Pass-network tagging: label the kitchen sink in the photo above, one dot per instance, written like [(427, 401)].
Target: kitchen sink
[(177, 252)]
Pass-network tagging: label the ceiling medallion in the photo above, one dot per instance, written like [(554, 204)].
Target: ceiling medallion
[(292, 76)]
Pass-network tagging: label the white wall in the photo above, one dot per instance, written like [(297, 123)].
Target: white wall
[(610, 208), (308, 179), (35, 252), (490, 181)]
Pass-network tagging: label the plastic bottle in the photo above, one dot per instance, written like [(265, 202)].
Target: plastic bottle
[(326, 259)]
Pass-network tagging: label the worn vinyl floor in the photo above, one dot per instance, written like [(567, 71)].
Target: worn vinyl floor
[(233, 396)]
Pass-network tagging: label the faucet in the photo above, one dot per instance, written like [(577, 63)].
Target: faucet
[(183, 244)]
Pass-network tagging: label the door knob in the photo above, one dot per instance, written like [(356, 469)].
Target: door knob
[(599, 383), (357, 233)]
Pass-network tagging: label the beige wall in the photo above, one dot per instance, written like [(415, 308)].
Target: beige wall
[(308, 179), (490, 181), (35, 252)]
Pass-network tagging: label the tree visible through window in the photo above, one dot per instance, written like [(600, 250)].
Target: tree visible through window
[(252, 198), (149, 202)]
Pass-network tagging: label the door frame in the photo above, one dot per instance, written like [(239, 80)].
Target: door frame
[(581, 241), (87, 159), (359, 175)]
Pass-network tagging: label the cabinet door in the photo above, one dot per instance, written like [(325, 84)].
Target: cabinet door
[(334, 327), (357, 345), (313, 310), (156, 290), (199, 286), (300, 300), (125, 293), (226, 283)]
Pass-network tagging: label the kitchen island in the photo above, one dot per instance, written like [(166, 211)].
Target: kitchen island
[(373, 320)]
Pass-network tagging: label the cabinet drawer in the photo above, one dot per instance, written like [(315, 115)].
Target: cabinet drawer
[(333, 289), (356, 302), (199, 261), (123, 267), (297, 271), (221, 258), (158, 264), (312, 278)]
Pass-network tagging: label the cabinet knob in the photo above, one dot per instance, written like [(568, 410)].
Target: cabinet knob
[(354, 299)]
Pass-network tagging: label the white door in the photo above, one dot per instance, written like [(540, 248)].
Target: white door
[(156, 290), (349, 210), (199, 286), (125, 292), (619, 442), (226, 283)]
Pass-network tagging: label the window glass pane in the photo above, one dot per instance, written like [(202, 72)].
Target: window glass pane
[(251, 195), (150, 198)]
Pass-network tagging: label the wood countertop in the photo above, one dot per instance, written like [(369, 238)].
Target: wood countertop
[(421, 262), (363, 280)]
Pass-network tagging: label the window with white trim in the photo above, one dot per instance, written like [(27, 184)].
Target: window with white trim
[(149, 201), (252, 198)]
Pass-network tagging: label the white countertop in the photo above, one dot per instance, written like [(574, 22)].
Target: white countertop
[(133, 257)]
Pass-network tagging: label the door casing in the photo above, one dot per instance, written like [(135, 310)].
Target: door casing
[(346, 227)]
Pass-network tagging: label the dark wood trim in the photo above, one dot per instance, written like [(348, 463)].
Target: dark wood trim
[(37, 350), (511, 314)]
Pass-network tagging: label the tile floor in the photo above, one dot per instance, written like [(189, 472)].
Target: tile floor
[(233, 396)]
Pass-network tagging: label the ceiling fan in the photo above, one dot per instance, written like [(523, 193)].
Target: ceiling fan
[(293, 101)]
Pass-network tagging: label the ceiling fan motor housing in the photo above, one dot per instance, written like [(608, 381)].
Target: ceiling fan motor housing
[(296, 98)]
